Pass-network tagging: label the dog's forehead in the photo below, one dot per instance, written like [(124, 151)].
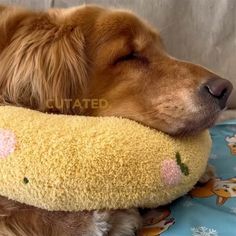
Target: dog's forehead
[(113, 24)]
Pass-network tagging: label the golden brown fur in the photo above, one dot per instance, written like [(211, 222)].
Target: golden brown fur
[(94, 53), (82, 53)]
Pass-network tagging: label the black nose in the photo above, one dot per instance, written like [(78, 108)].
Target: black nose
[(220, 89)]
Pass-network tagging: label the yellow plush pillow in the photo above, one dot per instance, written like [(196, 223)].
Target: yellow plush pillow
[(72, 163)]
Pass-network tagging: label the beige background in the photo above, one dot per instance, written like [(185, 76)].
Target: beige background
[(201, 31)]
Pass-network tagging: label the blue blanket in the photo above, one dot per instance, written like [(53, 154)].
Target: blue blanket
[(210, 209)]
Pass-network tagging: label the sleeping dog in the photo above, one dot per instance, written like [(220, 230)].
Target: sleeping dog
[(90, 53)]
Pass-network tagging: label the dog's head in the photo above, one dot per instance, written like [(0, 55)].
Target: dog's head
[(97, 53), (140, 81)]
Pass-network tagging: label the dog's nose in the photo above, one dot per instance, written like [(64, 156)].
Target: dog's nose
[(220, 89)]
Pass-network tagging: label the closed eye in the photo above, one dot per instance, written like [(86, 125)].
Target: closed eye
[(131, 57)]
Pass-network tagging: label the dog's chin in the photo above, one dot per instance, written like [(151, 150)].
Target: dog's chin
[(192, 126)]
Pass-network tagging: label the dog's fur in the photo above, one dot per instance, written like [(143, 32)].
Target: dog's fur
[(94, 53)]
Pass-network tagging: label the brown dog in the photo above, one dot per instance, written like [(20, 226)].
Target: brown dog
[(95, 53)]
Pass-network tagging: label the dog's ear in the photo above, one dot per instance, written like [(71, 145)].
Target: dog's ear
[(45, 66), (10, 18)]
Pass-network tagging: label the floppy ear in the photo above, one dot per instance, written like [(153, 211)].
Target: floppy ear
[(45, 65)]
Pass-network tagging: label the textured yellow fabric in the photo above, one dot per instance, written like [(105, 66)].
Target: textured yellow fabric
[(75, 163)]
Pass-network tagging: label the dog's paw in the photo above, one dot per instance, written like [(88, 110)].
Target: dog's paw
[(125, 223), (115, 223), (210, 173), (101, 225)]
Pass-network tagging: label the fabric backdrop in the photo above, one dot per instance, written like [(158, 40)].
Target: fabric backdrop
[(202, 32)]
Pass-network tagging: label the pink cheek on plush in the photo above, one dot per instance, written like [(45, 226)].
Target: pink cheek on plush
[(170, 173), (7, 143)]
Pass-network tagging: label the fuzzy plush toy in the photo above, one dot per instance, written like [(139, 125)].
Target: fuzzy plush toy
[(72, 163)]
